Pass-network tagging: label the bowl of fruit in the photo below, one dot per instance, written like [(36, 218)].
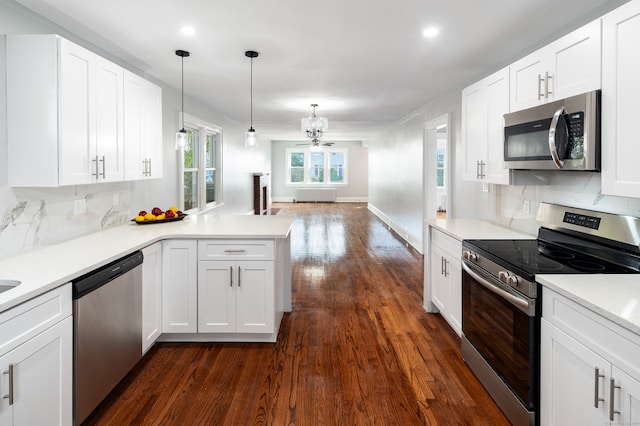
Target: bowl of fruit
[(157, 215)]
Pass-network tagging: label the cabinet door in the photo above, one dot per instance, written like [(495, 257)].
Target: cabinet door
[(527, 81), (179, 286), (255, 301), (620, 106), (439, 291), (568, 381), (474, 130), (217, 281), (454, 278), (152, 119), (108, 87), (497, 98), (76, 115), (576, 62), (626, 398), (42, 379), (151, 295)]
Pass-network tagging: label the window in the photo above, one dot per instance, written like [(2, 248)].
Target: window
[(440, 153), (305, 166), (201, 165)]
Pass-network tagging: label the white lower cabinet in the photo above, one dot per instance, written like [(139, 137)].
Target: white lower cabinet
[(589, 367), (235, 296), (151, 295), (179, 286), (36, 361), (446, 278)]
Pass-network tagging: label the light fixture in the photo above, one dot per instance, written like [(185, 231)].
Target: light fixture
[(188, 30), (182, 136), (314, 126), (250, 137), (430, 32)]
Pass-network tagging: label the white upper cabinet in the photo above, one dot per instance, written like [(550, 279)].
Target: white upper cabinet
[(483, 106), (65, 115), (569, 66), (142, 128), (620, 106)]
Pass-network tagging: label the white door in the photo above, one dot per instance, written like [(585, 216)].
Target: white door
[(179, 286), (620, 106), (255, 299), (217, 282), (568, 381), (76, 115), (42, 379), (151, 295)]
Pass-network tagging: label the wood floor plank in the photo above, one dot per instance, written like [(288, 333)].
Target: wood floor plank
[(357, 349)]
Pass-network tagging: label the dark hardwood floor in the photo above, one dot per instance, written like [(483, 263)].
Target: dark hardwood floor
[(357, 349)]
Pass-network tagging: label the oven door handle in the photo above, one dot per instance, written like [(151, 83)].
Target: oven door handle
[(521, 304)]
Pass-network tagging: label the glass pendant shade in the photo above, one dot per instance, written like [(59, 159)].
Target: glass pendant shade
[(182, 139), (250, 139)]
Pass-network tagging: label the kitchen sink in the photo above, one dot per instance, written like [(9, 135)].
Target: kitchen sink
[(8, 285)]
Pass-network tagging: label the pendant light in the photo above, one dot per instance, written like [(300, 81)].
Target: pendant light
[(250, 137), (182, 136)]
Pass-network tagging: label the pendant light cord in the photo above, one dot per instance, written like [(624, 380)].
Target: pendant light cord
[(251, 86), (183, 93)]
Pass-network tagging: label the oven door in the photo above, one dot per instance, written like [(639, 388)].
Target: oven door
[(503, 327)]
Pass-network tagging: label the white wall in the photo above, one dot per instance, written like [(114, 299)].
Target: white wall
[(31, 217), (358, 165)]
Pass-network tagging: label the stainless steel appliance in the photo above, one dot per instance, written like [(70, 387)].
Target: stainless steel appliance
[(501, 303), (107, 333), (560, 135)]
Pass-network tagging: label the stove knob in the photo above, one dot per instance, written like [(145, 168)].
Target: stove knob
[(503, 276), (512, 280)]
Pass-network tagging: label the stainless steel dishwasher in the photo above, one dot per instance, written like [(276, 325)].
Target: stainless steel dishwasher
[(107, 333)]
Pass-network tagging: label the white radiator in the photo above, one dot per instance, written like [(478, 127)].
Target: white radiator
[(324, 195)]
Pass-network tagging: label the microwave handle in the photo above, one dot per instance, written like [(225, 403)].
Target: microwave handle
[(552, 138)]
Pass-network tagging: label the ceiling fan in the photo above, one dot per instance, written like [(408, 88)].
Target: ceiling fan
[(316, 143)]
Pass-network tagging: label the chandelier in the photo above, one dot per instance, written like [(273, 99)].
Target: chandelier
[(314, 126)]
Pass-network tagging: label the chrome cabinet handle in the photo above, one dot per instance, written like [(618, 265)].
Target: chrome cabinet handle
[(235, 251), (547, 92), (149, 170), (104, 172), (96, 174), (612, 388), (596, 398), (552, 137), (239, 276), (230, 276), (10, 395), (446, 271), (441, 265), (540, 86)]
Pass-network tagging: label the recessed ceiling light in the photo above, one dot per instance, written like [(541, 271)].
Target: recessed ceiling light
[(188, 30), (430, 32)]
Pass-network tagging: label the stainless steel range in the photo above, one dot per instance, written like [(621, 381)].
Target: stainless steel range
[(501, 303)]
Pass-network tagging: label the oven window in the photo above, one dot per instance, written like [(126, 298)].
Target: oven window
[(504, 335)]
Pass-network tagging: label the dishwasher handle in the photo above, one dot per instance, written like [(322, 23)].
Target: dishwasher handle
[(95, 279)]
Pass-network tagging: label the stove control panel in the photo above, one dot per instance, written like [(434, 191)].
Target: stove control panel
[(585, 221)]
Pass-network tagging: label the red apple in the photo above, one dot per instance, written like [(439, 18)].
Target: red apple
[(156, 211), (142, 213), (169, 214), (179, 213)]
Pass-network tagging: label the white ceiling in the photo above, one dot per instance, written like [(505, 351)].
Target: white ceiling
[(365, 62)]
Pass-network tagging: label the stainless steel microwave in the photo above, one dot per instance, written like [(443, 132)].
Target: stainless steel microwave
[(562, 135)]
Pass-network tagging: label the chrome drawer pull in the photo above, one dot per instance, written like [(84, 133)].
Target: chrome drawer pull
[(596, 391), (235, 251), (612, 389), (230, 276), (239, 277), (10, 395)]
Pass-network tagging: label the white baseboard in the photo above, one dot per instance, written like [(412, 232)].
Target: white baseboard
[(338, 200), (412, 240)]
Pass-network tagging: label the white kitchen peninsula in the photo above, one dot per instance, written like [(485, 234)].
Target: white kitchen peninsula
[(49, 267)]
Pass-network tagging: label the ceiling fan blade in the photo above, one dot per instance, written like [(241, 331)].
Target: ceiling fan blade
[(298, 144)]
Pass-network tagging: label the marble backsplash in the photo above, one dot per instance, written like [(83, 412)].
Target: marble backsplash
[(33, 217), (575, 189)]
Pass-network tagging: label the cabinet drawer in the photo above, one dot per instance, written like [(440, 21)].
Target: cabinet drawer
[(601, 335), (21, 323), (448, 244), (235, 249)]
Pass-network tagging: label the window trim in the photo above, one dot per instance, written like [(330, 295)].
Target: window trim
[(202, 127), (327, 166)]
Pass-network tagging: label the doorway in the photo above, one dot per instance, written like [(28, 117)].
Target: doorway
[(437, 168)]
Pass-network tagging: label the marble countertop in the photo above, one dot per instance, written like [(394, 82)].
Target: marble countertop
[(471, 229), (615, 297), (45, 268)]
